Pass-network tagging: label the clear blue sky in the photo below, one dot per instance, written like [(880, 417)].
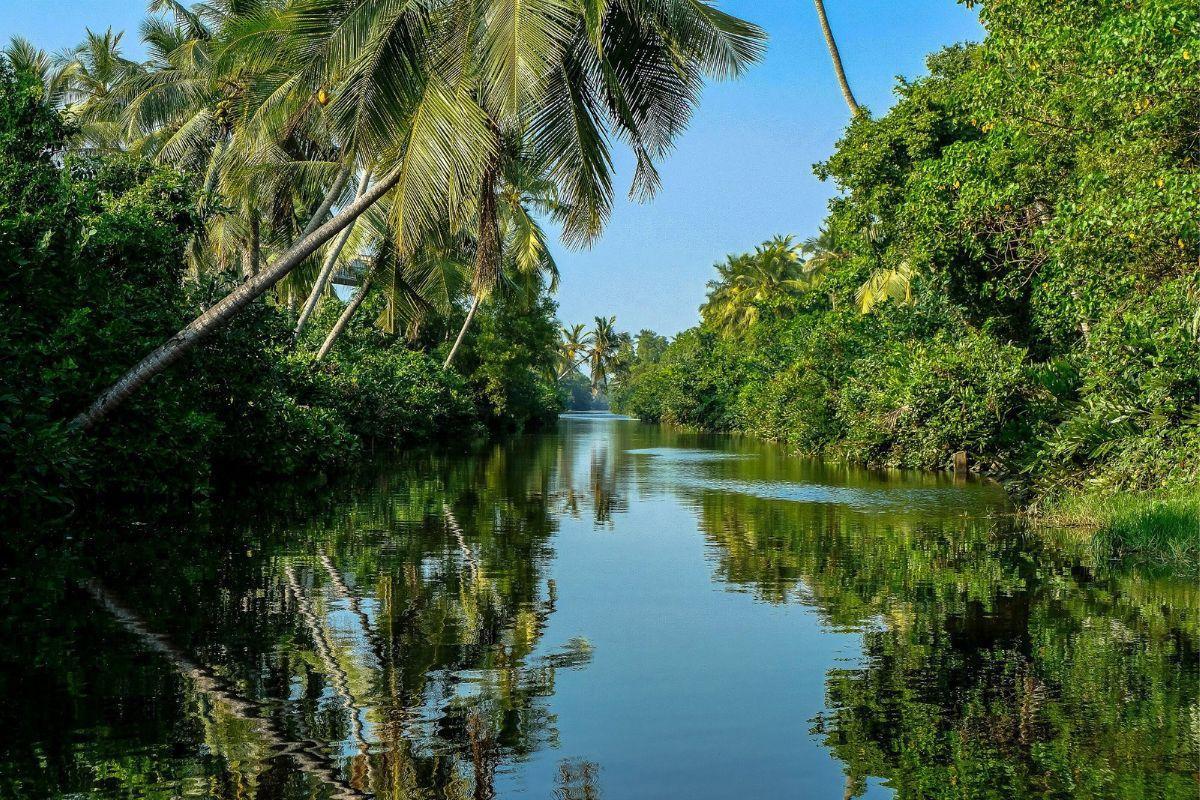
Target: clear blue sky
[(741, 174)]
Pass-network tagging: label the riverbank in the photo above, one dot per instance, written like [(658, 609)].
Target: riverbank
[(1159, 527), (1008, 270), (102, 249)]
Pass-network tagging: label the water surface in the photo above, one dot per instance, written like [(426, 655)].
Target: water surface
[(613, 610)]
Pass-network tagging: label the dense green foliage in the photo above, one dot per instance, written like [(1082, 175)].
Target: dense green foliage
[(92, 254), (1022, 229)]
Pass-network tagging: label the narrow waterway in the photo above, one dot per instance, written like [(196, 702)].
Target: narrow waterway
[(611, 610)]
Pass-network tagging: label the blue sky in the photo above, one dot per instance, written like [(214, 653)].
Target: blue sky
[(742, 172)]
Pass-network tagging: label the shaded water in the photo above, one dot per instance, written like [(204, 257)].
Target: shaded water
[(610, 610)]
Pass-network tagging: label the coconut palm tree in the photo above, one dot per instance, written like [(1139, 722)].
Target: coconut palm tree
[(509, 242), (573, 348), (423, 94), (885, 284), (749, 283), (28, 59), (837, 59), (606, 343)]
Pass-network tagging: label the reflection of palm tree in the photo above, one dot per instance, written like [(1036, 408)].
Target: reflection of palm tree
[(337, 675), (577, 780), (305, 754), (456, 530)]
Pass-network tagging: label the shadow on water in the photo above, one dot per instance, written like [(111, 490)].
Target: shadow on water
[(614, 607)]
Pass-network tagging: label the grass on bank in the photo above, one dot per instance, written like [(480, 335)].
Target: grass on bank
[(1161, 526)]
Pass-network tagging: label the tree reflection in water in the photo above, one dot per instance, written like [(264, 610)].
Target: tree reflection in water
[(390, 643)]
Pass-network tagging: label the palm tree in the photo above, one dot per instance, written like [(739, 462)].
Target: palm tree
[(28, 59), (748, 283), (605, 345), (509, 242), (90, 74), (573, 348), (886, 284), (241, 124), (837, 59), (419, 90)]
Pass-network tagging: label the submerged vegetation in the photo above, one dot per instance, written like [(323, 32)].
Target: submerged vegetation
[(1011, 271)]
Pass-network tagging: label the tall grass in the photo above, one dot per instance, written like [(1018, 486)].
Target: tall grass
[(1161, 526)]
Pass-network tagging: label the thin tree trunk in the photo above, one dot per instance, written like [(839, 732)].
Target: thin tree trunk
[(335, 191), (487, 251), (347, 314), (224, 310), (255, 241), (572, 368), (331, 258), (837, 59), (462, 332)]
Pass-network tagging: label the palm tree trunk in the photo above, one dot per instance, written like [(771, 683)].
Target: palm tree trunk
[(572, 368), (255, 241), (224, 310), (462, 332), (487, 251), (837, 59), (347, 314), (331, 258), (335, 191)]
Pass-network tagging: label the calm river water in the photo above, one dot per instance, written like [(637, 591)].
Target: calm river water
[(611, 610)]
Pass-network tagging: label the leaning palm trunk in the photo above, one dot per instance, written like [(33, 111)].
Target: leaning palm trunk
[(462, 332), (572, 368), (837, 59), (347, 314), (224, 310), (335, 191), (327, 268)]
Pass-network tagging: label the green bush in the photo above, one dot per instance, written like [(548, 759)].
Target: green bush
[(398, 396), (915, 403)]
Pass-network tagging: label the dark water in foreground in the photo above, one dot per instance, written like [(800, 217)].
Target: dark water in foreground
[(612, 610)]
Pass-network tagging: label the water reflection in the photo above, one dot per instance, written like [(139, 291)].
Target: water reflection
[(539, 620)]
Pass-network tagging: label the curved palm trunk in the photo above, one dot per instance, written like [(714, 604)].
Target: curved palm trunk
[(331, 258), (347, 314), (224, 310), (462, 332), (837, 59), (487, 253)]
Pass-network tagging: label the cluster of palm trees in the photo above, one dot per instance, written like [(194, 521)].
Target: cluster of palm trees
[(420, 139), (780, 270), (602, 348)]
